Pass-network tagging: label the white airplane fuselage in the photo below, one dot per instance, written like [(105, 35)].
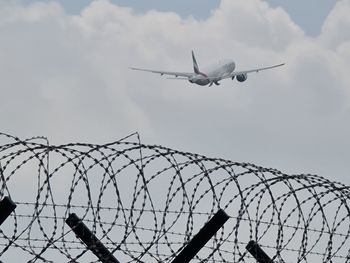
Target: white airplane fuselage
[(220, 72)]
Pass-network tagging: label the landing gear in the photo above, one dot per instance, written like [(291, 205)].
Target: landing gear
[(214, 82)]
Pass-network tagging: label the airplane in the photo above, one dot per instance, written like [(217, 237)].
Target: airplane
[(223, 71)]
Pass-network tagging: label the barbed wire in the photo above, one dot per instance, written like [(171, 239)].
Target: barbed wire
[(145, 202)]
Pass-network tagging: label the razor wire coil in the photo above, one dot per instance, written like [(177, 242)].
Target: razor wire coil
[(145, 203)]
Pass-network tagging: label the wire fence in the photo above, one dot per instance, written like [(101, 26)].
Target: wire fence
[(145, 203)]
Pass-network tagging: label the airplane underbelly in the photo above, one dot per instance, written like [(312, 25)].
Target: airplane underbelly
[(202, 82)]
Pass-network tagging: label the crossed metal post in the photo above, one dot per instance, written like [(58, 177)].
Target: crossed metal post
[(90, 240), (7, 206), (202, 237), (256, 251)]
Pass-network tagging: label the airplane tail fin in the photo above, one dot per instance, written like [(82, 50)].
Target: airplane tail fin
[(195, 65)]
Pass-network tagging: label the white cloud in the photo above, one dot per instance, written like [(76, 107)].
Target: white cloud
[(336, 28), (272, 27), (67, 77)]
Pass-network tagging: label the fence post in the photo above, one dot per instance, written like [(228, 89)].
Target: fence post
[(202, 237), (259, 254), (7, 206), (90, 240)]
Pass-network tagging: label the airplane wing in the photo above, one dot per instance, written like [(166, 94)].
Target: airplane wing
[(236, 73), (170, 73)]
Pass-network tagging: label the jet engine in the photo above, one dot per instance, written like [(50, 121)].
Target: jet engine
[(242, 77)]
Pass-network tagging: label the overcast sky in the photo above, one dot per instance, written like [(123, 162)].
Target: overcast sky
[(64, 74)]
